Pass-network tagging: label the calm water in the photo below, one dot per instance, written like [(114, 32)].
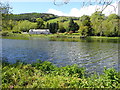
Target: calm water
[(92, 55)]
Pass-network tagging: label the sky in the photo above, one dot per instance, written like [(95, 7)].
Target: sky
[(73, 8)]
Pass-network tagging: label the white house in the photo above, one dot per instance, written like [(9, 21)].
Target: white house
[(39, 31)]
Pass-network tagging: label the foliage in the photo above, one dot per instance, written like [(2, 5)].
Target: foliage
[(62, 29), (4, 8), (40, 23), (84, 30), (62, 19), (46, 75), (25, 26), (95, 25), (32, 16), (5, 33), (72, 26), (86, 27), (113, 16), (96, 20), (8, 24), (16, 31), (53, 27)]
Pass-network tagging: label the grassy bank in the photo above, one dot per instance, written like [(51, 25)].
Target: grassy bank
[(61, 37), (46, 75), (103, 37)]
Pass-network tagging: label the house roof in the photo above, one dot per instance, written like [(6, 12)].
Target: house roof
[(39, 30)]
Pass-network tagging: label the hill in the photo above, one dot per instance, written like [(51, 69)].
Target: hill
[(31, 16), (45, 16)]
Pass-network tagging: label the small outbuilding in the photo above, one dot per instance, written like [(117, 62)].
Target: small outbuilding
[(39, 31)]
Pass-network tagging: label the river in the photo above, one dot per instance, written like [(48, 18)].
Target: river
[(92, 55)]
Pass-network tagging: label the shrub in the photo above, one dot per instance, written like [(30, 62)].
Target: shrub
[(62, 30), (16, 31), (5, 33), (46, 75)]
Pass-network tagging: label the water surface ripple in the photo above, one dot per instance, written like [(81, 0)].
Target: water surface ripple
[(92, 55)]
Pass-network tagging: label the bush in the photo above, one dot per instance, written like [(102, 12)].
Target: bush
[(16, 31), (5, 33), (46, 75), (62, 30)]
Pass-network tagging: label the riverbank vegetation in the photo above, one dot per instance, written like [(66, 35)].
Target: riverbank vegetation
[(95, 25), (44, 74)]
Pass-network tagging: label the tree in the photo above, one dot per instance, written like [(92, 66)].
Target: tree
[(25, 26), (86, 28), (97, 19), (53, 27), (72, 26), (8, 24), (5, 8), (4, 14), (110, 25), (112, 16), (40, 23), (47, 25)]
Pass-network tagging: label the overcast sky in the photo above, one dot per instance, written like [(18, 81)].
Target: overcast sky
[(73, 8)]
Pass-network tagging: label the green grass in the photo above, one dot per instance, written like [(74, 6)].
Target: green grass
[(46, 75), (103, 37), (63, 37)]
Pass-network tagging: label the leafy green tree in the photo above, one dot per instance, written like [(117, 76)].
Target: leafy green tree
[(96, 19), (112, 16), (84, 30), (47, 25), (4, 15), (8, 24), (111, 25), (72, 26), (25, 26), (86, 27), (53, 27), (40, 23), (5, 8)]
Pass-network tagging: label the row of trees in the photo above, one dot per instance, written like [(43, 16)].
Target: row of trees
[(95, 25), (31, 16)]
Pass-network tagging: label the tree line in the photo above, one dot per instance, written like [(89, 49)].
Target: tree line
[(95, 25)]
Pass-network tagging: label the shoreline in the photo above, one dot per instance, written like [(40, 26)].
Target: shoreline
[(59, 37)]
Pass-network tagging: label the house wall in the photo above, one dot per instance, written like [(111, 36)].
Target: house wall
[(46, 31)]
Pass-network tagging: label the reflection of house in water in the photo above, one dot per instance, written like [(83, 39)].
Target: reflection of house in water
[(39, 31)]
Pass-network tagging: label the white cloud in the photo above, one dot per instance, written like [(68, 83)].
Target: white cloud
[(88, 10), (56, 12)]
